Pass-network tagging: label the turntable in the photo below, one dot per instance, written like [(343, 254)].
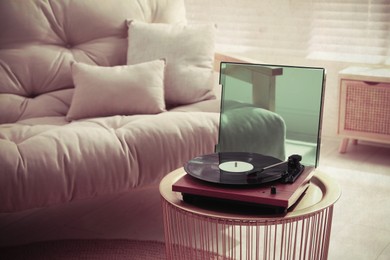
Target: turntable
[(266, 152), (241, 179)]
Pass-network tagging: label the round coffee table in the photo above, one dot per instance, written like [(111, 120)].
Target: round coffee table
[(197, 232)]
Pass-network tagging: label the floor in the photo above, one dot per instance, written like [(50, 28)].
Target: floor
[(361, 227)]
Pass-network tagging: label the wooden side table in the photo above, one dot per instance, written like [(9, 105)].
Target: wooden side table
[(364, 112), (193, 232)]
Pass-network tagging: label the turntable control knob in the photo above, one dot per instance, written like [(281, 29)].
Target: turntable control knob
[(273, 190)]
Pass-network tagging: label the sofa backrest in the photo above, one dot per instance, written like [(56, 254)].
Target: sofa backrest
[(39, 39)]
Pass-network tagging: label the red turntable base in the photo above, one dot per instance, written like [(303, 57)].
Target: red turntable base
[(272, 194)]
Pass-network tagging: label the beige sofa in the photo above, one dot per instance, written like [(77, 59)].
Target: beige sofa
[(100, 97)]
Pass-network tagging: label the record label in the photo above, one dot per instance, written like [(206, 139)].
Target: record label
[(236, 166), (239, 168)]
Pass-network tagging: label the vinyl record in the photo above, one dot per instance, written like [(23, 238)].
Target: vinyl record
[(239, 168)]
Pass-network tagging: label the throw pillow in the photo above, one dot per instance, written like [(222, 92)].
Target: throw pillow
[(119, 90), (189, 52)]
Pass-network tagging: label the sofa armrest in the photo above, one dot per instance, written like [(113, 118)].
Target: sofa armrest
[(224, 57), (262, 78)]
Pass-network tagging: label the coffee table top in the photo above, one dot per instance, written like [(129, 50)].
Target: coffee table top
[(322, 193)]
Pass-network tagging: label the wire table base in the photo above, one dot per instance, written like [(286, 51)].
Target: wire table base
[(193, 232)]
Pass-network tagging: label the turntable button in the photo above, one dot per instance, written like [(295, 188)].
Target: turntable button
[(273, 190)]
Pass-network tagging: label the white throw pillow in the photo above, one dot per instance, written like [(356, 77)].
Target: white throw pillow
[(189, 52), (120, 90)]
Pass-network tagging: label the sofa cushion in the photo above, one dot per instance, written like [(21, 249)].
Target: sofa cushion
[(96, 156), (39, 39), (117, 90), (189, 51)]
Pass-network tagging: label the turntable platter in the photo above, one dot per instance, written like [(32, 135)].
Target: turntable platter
[(237, 168)]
